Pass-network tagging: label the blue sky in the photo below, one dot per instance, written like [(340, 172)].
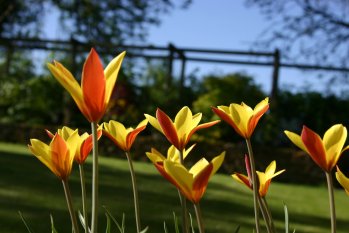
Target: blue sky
[(219, 24), (226, 24)]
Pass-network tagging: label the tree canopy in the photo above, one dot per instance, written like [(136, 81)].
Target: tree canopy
[(88, 20), (312, 30)]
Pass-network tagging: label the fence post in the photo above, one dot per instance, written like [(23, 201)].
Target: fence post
[(182, 77), (171, 49), (275, 77)]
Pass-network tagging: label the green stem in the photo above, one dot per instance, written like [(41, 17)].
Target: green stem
[(135, 192), (254, 184), (331, 201), (94, 220), (183, 200), (199, 218), (269, 218), (70, 206), (83, 195)]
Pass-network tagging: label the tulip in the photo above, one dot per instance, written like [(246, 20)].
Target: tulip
[(325, 152), (242, 117), (84, 143), (263, 177), (191, 183), (58, 156), (343, 180), (122, 137), (179, 132), (93, 96)]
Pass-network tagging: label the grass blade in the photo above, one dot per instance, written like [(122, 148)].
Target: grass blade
[(53, 229), (25, 222)]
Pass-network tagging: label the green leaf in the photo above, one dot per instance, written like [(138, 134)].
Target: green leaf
[(286, 219), (53, 225), (122, 227), (237, 229), (145, 230), (82, 220), (25, 222), (107, 230), (165, 227), (191, 223), (175, 219)]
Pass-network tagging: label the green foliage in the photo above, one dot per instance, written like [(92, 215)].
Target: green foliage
[(20, 17), (111, 21), (231, 88), (226, 203)]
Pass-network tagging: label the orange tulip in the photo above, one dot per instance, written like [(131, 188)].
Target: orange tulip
[(58, 156), (93, 96), (179, 132), (242, 117), (191, 183), (84, 143), (122, 137), (325, 152)]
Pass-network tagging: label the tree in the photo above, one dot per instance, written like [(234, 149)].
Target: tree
[(20, 18), (110, 20), (314, 30)]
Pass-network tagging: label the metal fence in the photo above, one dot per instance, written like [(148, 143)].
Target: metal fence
[(170, 53)]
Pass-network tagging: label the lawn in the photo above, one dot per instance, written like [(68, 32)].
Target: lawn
[(27, 186)]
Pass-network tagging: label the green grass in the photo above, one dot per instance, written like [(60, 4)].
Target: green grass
[(27, 186)]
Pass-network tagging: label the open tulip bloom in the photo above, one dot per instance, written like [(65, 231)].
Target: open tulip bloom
[(264, 178), (93, 96), (325, 151), (84, 142), (179, 131), (242, 117), (191, 183), (123, 137), (58, 156)]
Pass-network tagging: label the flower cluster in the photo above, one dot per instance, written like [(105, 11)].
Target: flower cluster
[(92, 98)]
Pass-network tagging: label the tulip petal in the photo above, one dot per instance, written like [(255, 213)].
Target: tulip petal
[(66, 79), (154, 122), (296, 139), (168, 128), (315, 147), (334, 140), (242, 179), (343, 180), (93, 86), (200, 183), (182, 178), (224, 115), (111, 74)]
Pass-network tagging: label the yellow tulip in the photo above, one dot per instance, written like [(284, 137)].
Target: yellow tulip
[(343, 180), (122, 137), (93, 96), (263, 177), (191, 183), (325, 152), (242, 117), (59, 155), (179, 131), (84, 143)]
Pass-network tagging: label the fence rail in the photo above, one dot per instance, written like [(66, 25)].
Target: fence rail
[(169, 53)]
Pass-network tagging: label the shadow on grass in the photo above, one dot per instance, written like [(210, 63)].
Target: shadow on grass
[(27, 186)]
